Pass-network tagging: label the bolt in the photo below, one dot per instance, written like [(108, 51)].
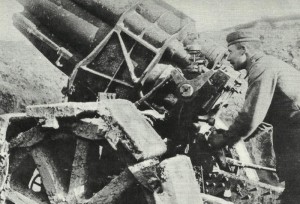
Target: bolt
[(186, 90), (227, 193), (213, 184), (214, 175), (221, 185), (225, 179)]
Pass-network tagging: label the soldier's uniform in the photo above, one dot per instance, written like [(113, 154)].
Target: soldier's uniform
[(273, 96)]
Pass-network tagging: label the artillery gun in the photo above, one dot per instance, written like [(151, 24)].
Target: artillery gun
[(95, 148)]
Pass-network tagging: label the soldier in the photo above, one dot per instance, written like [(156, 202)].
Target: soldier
[(273, 96)]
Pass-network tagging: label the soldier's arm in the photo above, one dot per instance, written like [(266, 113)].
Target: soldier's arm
[(258, 99)]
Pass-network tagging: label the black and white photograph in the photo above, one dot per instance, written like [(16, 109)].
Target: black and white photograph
[(149, 102)]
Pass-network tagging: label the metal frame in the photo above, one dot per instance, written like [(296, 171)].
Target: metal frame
[(118, 29)]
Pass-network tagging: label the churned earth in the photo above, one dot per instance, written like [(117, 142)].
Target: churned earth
[(27, 78)]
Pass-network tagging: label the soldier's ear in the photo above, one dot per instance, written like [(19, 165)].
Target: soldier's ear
[(243, 49)]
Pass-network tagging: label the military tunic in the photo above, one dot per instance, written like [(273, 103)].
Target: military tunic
[(273, 96)]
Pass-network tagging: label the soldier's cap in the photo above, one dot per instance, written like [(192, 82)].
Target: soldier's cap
[(241, 36)]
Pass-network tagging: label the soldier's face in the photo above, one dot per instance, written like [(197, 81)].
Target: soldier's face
[(237, 57)]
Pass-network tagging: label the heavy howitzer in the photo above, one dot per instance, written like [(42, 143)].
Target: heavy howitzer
[(116, 56), (130, 46), (111, 47), (108, 53)]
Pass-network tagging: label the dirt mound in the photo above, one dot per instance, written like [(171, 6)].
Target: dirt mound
[(27, 78)]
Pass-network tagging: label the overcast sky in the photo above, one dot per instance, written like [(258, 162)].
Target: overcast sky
[(209, 14), (219, 14)]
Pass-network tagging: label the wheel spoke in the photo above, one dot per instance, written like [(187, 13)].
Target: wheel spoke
[(112, 192), (149, 196), (52, 177), (18, 198), (16, 158), (28, 138), (20, 194), (79, 174)]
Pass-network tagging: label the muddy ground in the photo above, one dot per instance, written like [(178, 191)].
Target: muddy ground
[(27, 78)]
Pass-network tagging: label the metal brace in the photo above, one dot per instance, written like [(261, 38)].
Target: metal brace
[(61, 52)]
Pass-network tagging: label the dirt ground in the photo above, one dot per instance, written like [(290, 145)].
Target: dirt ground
[(27, 78)]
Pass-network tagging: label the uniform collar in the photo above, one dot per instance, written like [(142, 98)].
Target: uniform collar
[(253, 59)]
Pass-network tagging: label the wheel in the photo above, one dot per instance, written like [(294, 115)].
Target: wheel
[(91, 153), (65, 165)]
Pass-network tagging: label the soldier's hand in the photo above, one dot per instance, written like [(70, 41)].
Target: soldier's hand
[(218, 139)]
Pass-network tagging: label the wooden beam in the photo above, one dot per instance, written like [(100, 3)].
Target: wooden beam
[(52, 177), (112, 192), (20, 194), (28, 138), (79, 174)]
